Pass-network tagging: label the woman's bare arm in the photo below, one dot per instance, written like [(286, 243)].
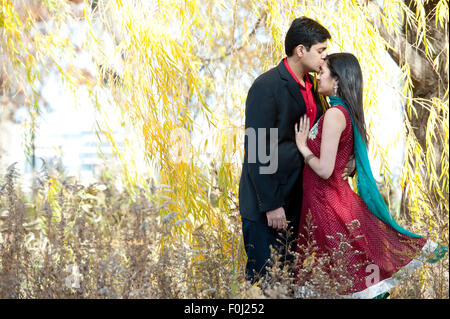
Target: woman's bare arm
[(333, 125)]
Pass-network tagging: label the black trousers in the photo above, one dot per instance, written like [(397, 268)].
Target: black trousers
[(258, 237)]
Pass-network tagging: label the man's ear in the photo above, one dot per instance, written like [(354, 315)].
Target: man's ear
[(300, 50)]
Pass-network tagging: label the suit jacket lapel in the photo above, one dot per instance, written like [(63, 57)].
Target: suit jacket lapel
[(293, 88)]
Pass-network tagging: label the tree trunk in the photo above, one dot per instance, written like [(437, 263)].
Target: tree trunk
[(429, 79)]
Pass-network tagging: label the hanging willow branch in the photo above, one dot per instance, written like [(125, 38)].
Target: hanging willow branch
[(233, 49)]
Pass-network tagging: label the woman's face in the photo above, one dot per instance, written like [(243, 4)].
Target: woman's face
[(325, 81)]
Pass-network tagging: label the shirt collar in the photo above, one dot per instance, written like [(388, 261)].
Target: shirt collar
[(307, 85)]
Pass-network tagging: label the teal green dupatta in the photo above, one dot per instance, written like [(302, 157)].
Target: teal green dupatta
[(367, 187), (368, 190)]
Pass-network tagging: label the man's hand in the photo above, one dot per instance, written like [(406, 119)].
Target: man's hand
[(276, 218), (349, 168)]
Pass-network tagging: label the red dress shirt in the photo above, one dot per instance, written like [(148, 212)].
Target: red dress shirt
[(311, 107)]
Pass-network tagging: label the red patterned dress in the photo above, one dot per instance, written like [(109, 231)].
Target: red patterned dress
[(377, 251)]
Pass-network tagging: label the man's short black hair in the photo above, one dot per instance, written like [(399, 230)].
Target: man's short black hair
[(304, 31)]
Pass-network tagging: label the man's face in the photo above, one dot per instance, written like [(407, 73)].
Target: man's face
[(313, 59)]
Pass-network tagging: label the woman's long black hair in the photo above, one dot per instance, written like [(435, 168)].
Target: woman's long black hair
[(346, 69)]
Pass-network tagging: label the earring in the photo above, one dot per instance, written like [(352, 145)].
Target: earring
[(335, 88)]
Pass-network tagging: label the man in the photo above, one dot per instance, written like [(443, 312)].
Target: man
[(270, 195)]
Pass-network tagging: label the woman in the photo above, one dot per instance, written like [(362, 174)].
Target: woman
[(380, 248)]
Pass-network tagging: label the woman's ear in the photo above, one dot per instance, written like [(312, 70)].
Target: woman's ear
[(336, 86)]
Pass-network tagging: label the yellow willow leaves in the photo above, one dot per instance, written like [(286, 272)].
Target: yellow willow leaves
[(442, 13), (184, 69), (164, 88)]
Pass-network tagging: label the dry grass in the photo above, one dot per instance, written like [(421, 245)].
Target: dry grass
[(75, 241)]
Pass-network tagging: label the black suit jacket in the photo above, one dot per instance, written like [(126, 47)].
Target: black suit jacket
[(274, 101)]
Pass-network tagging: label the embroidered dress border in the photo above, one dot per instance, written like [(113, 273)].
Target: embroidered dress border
[(389, 283), (385, 285)]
